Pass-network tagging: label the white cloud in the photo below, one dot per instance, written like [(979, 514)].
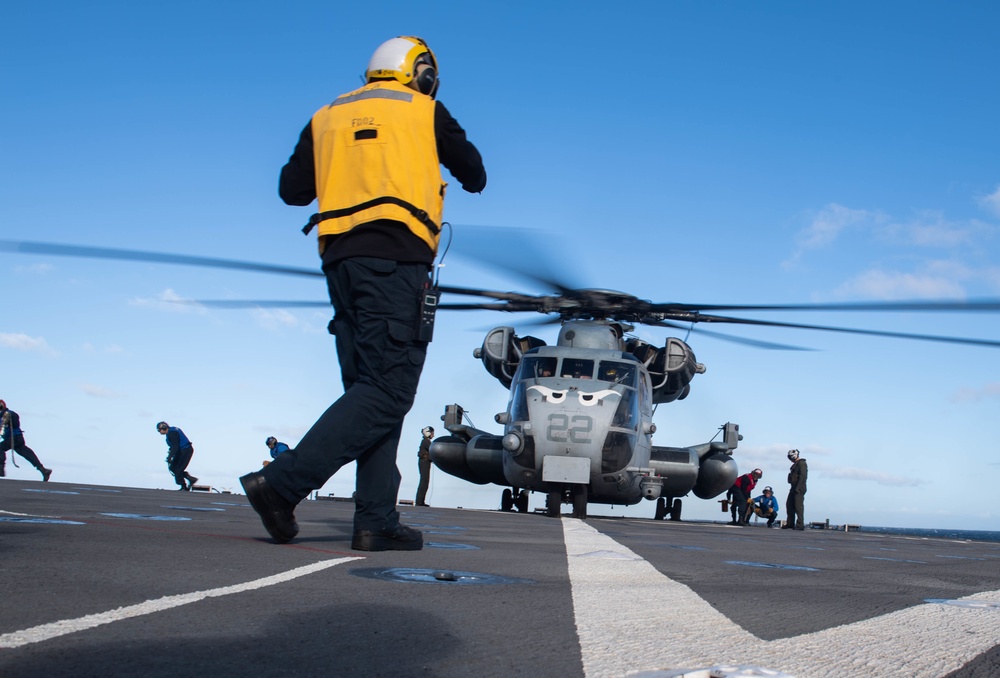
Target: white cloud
[(990, 391), (867, 475), (931, 229), (876, 233), (22, 342), (168, 300), (829, 223), (817, 456), (991, 202), (272, 319), (774, 458), (879, 284), (40, 269), (100, 391)]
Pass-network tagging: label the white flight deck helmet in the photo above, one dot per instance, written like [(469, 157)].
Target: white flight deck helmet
[(398, 58), (793, 455)]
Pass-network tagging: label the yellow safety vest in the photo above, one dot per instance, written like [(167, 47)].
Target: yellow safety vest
[(375, 154)]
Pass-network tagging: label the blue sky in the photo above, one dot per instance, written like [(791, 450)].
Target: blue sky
[(703, 152)]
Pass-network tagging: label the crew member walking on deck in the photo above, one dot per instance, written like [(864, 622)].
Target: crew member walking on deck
[(372, 158), (13, 439), (179, 453)]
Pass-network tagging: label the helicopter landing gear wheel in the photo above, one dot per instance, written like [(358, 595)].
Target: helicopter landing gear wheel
[(522, 501), (507, 500), (580, 501), (661, 509), (675, 510), (553, 503)]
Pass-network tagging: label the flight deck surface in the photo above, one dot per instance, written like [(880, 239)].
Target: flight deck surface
[(110, 581)]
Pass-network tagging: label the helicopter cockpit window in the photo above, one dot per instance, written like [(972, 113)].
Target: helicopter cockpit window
[(577, 368), (617, 373), (532, 367)]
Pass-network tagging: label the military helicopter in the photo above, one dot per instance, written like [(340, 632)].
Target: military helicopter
[(578, 424)]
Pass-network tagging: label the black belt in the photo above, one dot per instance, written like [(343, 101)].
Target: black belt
[(418, 213)]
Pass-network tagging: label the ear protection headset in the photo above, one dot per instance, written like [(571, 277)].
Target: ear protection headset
[(427, 81)]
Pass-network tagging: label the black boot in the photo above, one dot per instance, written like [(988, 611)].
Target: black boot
[(46, 472)]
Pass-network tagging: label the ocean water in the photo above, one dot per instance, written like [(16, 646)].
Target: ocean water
[(972, 535)]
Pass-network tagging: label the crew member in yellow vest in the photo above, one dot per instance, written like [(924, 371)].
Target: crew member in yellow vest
[(372, 158)]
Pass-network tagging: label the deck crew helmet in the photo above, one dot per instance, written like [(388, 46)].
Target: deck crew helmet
[(793, 454), (271, 440), (399, 58)]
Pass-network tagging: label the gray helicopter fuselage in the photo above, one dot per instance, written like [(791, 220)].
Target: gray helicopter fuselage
[(578, 424), (580, 416)]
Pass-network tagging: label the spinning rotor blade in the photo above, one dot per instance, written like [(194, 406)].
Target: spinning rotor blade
[(756, 343), (155, 257), (847, 330), (526, 260), (474, 307), (491, 294), (969, 305), (252, 303), (519, 248)]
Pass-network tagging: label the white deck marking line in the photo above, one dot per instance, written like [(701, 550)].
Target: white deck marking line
[(66, 626), (630, 618)]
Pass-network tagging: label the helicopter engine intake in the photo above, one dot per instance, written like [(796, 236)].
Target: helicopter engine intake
[(671, 368), (501, 352)]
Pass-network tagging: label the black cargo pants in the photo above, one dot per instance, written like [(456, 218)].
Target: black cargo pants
[(376, 304)]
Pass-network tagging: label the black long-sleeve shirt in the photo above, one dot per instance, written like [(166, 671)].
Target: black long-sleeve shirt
[(384, 238)]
